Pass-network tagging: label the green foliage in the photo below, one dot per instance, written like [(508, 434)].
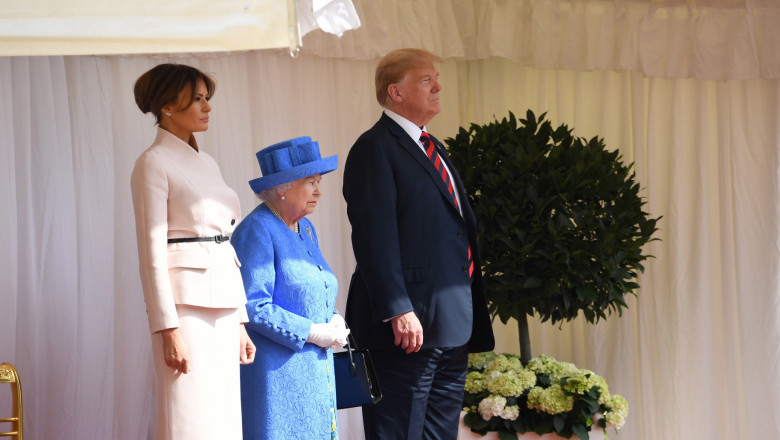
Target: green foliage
[(557, 397), (560, 221)]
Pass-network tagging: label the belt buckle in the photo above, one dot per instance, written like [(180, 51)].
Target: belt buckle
[(221, 238)]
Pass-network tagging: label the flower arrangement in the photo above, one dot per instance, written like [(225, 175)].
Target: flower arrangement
[(543, 396)]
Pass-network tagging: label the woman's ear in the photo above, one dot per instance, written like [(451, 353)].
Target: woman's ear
[(167, 109)]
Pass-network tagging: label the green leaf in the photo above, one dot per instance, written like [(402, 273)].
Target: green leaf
[(581, 432), (559, 422), (532, 283), (560, 220), (474, 421), (544, 426)]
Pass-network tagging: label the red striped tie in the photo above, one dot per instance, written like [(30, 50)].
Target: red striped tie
[(433, 155)]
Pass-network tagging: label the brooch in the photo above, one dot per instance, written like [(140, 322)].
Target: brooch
[(308, 231)]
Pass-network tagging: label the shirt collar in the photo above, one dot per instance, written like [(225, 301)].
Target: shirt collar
[(408, 126)]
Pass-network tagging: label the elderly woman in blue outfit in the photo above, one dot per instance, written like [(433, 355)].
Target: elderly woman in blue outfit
[(289, 392)]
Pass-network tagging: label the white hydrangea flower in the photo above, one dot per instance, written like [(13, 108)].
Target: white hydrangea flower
[(510, 412), (491, 406)]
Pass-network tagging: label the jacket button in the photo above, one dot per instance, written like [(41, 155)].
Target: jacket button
[(460, 234), (465, 268)]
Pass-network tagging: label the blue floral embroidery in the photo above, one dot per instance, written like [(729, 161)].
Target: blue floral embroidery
[(289, 391)]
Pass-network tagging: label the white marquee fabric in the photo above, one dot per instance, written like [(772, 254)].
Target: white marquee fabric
[(77, 27), (705, 39), (697, 355), (115, 27)]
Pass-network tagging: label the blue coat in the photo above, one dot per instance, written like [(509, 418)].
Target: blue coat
[(289, 390)]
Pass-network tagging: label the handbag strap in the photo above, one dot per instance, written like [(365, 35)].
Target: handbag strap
[(351, 346)]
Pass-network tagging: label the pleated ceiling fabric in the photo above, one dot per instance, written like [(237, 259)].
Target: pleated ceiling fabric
[(704, 39)]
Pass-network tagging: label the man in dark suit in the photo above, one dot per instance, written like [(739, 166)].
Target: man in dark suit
[(416, 297)]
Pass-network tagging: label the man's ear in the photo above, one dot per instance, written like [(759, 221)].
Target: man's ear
[(394, 92)]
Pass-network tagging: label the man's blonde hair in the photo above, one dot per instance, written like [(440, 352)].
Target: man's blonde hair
[(394, 66)]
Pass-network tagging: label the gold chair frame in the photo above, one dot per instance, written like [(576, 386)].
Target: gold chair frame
[(8, 374)]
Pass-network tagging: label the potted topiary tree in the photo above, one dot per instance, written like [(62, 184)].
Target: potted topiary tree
[(560, 221), (561, 228)]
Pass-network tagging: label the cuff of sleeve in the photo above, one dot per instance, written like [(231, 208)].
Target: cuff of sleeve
[(243, 316), (393, 317)]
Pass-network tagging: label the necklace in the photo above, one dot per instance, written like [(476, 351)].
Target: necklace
[(276, 213)]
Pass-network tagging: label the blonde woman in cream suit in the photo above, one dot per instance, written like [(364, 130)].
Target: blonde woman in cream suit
[(192, 285)]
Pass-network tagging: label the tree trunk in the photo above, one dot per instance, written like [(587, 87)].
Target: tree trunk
[(524, 337)]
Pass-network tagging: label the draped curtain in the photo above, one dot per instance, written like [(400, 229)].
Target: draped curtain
[(696, 354), (706, 39)]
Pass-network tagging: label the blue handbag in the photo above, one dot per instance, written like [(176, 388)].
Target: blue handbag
[(356, 381)]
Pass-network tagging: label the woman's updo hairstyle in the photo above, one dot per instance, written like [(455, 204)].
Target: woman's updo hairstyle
[(162, 84)]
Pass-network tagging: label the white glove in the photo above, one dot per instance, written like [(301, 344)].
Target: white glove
[(338, 322), (327, 335)]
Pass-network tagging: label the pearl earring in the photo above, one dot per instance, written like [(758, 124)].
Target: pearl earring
[(167, 113), (282, 197)]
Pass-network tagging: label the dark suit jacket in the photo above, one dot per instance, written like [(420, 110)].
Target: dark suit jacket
[(411, 245)]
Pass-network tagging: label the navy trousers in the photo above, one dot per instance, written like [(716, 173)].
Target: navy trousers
[(422, 394)]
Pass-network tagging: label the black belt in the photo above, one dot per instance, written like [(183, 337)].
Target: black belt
[(216, 238)]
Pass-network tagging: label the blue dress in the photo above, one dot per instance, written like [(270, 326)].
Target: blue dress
[(289, 391)]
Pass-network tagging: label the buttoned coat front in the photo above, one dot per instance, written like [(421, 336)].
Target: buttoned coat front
[(411, 245), (179, 192), (289, 392)]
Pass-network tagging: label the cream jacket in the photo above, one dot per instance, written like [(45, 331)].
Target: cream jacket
[(179, 192)]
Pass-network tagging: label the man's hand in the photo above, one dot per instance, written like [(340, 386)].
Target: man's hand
[(408, 332)]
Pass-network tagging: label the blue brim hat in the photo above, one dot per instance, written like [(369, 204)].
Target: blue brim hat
[(291, 160)]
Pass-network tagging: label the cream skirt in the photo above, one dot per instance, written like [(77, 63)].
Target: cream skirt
[(206, 402)]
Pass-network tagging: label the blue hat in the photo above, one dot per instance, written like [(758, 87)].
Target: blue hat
[(291, 160)]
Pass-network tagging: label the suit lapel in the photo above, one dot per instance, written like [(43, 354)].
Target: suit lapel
[(415, 151)]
